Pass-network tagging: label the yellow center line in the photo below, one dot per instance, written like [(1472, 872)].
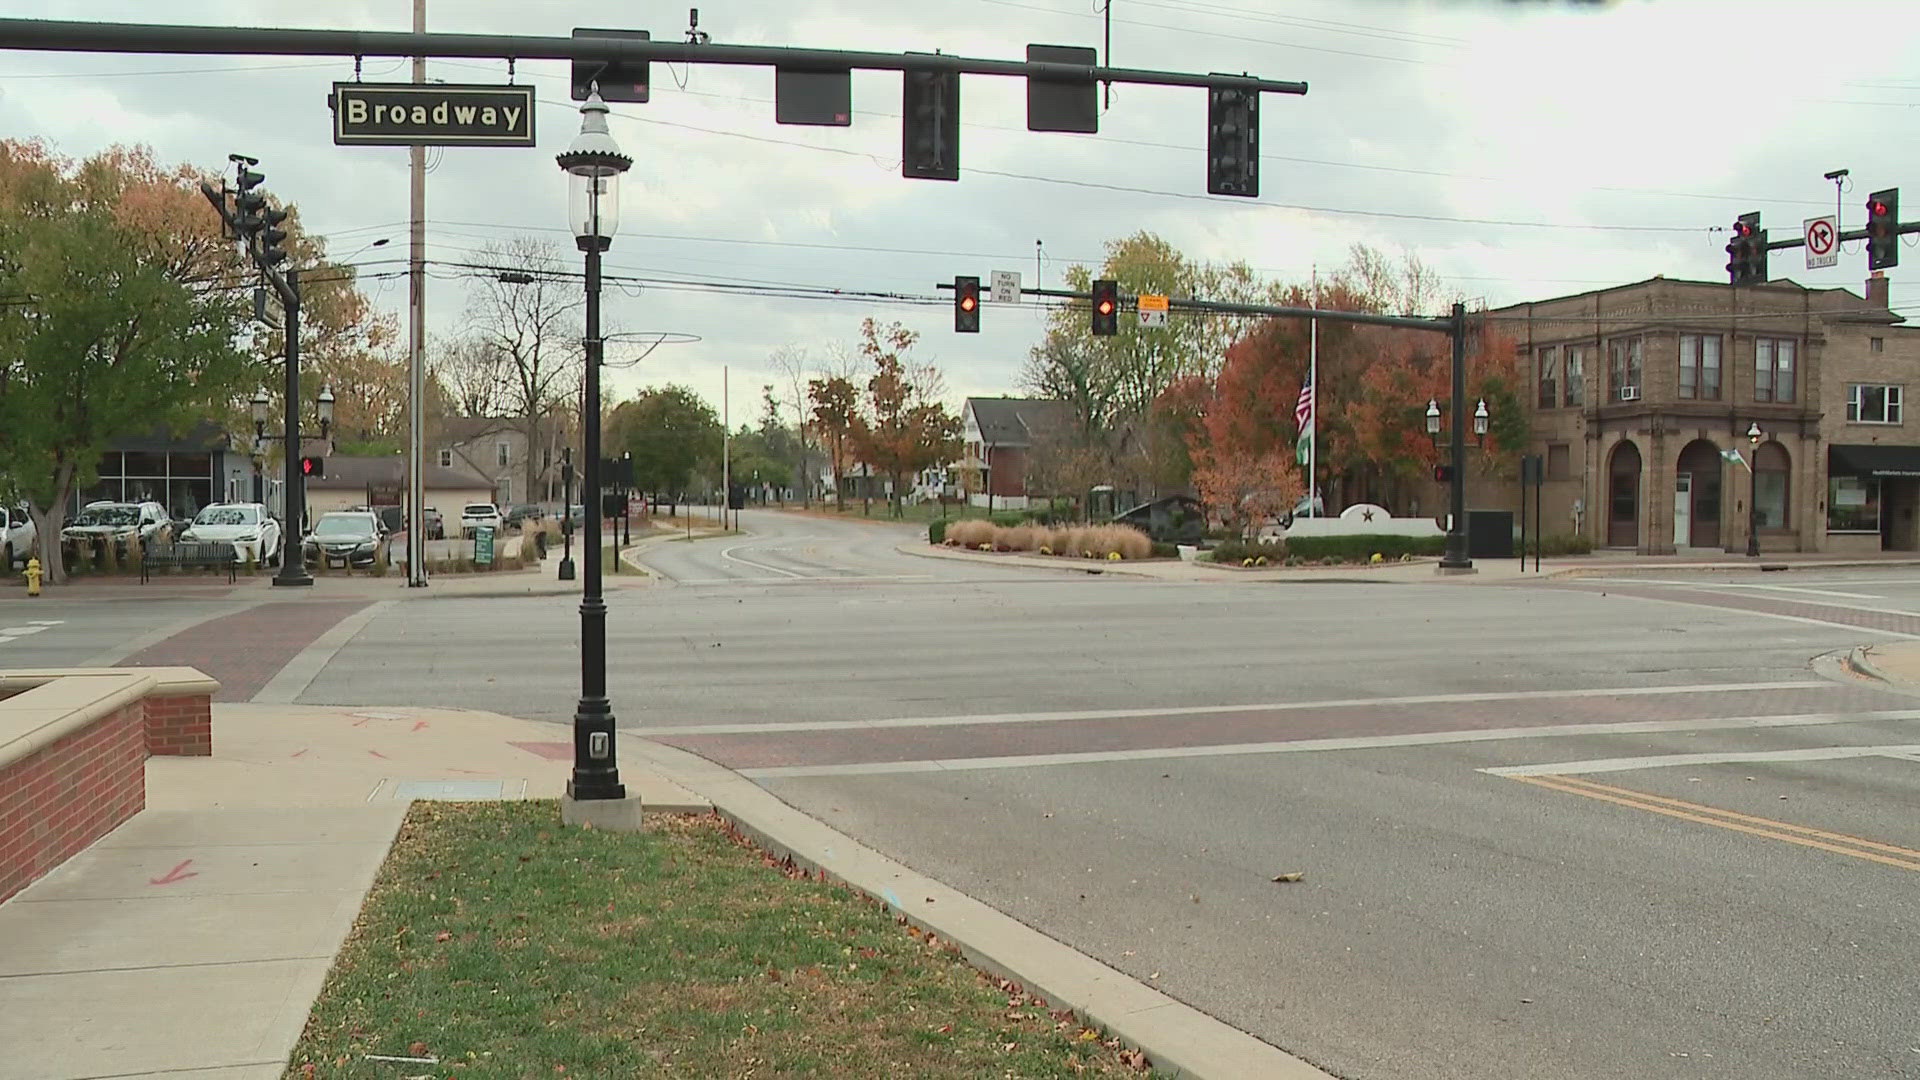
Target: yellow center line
[(1636, 801), (1821, 834)]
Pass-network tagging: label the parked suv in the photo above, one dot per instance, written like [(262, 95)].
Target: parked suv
[(476, 516), (17, 533), (118, 521), (253, 532)]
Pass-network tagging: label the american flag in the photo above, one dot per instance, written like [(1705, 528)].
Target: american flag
[(1303, 409)]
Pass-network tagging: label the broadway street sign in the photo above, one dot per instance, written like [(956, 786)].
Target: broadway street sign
[(433, 114)]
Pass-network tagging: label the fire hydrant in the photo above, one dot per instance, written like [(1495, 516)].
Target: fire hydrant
[(33, 577)]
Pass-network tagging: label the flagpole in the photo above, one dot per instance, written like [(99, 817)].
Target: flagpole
[(1313, 381)]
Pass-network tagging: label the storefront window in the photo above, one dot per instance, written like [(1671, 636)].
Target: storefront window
[(1853, 504), (1770, 499)]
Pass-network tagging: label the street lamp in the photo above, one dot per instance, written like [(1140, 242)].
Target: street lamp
[(566, 511), (1753, 503), (293, 570), (593, 164), (1480, 422), (1433, 421)]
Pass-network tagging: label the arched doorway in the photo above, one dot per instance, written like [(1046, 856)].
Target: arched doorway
[(1623, 496), (1772, 487), (1696, 496)]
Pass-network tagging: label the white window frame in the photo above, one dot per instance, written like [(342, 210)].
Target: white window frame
[(1695, 352), (1546, 374), (1892, 405), (1573, 368), (502, 454), (446, 459)]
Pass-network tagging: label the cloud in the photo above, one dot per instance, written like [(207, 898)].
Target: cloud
[(1450, 130)]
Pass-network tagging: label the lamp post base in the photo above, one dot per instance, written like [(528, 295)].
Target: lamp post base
[(611, 815), (299, 580), (1446, 567), (566, 570)]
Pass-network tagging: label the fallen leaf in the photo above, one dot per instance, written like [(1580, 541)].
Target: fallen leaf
[(1133, 1059), (417, 1049), (443, 936), (1296, 875)]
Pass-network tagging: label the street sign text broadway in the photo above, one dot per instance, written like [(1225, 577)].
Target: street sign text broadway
[(435, 114)]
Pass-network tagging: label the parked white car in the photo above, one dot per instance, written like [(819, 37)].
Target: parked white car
[(118, 521), (474, 516), (253, 532), (17, 534)]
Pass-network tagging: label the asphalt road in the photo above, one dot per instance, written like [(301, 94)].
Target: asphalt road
[(1607, 828), (64, 632)]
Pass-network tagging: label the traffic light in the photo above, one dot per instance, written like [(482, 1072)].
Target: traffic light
[(1443, 474), (1747, 251), (1106, 308), (1883, 229), (313, 467), (273, 238), (249, 204), (930, 125), (966, 305), (1233, 142)]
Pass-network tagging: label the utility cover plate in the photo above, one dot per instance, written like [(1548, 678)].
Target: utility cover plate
[(450, 790)]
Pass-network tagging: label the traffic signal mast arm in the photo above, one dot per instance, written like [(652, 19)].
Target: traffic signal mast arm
[(1221, 307), (66, 35)]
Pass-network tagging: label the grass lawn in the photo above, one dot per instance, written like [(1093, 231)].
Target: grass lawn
[(502, 945)]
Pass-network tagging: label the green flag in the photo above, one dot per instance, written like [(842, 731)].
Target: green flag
[(1303, 446)]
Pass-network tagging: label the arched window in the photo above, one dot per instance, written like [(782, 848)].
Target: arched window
[(1772, 484)]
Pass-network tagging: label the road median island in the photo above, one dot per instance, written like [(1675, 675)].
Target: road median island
[(497, 943)]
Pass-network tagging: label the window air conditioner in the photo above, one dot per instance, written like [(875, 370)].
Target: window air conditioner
[(1629, 393)]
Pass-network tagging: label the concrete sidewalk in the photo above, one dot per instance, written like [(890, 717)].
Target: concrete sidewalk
[(191, 941)]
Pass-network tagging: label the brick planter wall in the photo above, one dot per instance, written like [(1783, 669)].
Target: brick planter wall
[(61, 798), (180, 726)]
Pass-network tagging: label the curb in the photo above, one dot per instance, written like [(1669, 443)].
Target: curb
[(1179, 1040), (930, 551), (1856, 661)]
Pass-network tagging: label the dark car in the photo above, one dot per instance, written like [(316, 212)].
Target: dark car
[(523, 514), (345, 538)]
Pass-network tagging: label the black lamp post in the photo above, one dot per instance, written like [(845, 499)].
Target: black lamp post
[(593, 165), (1753, 503), (626, 505), (293, 564), (566, 512), (1455, 557)]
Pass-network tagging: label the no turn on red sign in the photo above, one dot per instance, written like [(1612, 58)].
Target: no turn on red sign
[(1823, 242)]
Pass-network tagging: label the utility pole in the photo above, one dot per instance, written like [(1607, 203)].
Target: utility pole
[(726, 449), (417, 340)]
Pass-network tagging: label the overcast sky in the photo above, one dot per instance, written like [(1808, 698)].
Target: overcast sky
[(1524, 150)]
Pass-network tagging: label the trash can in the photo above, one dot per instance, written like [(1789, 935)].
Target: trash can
[(1489, 534)]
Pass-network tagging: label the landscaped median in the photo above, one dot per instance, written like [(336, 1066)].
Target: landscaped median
[(496, 943)]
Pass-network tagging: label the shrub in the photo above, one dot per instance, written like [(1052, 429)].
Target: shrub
[(1100, 541), (1007, 519), (1236, 552), (1165, 551), (1362, 548), (1564, 545), (1024, 538), (937, 531), (970, 533)]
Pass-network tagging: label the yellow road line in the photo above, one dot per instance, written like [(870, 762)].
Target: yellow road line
[(1821, 834), (1637, 801)]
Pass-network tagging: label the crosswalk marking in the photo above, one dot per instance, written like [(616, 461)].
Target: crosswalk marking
[(10, 633)]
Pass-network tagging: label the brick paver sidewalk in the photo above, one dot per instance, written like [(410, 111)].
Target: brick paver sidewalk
[(245, 650)]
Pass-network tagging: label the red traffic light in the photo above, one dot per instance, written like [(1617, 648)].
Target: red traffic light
[(1106, 307), (968, 303), (1443, 474), (1878, 209)]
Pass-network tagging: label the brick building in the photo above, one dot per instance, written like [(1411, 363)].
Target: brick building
[(1636, 390), (998, 435)]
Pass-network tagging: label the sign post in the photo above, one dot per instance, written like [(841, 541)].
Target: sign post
[(1823, 242)]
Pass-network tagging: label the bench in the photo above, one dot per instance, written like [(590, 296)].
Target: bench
[(214, 555)]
